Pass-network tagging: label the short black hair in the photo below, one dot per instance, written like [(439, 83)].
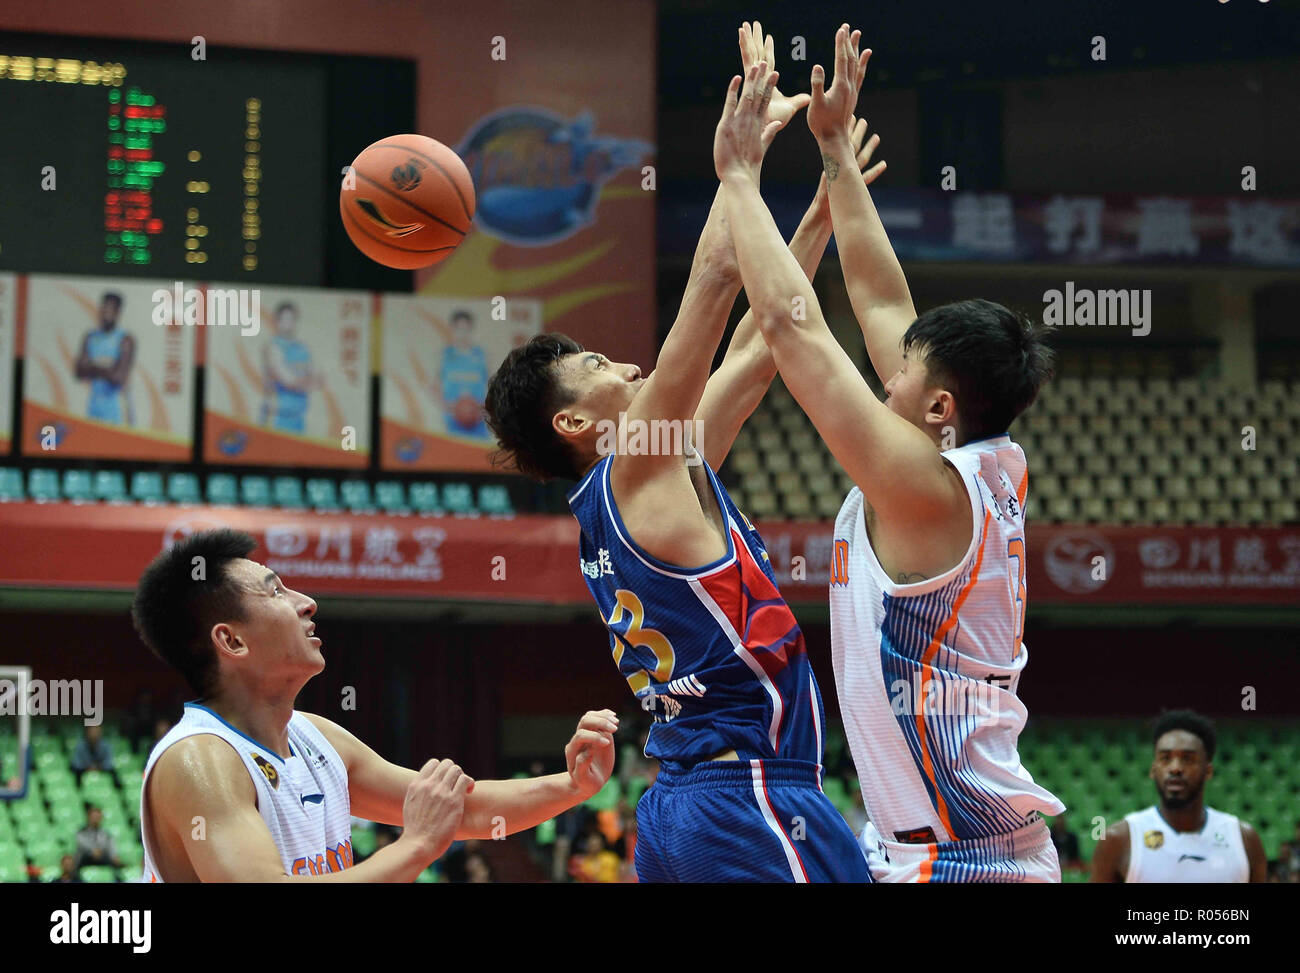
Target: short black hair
[(522, 398), (113, 296), (461, 315), (173, 612), (1189, 720), (286, 306), (993, 359)]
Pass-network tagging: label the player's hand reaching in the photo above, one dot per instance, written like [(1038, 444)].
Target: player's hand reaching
[(590, 754), (743, 133), (857, 132), (434, 806), (831, 109), (755, 47)]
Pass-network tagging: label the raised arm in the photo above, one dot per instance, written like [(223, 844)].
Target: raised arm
[(896, 465), (872, 274), (736, 388)]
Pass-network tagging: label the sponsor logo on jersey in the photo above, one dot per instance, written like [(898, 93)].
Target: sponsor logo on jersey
[(272, 775), (1153, 839), (1190, 858), (311, 799), (917, 836)]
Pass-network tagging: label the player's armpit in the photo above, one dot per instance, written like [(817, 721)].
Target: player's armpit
[(376, 787), (201, 800)]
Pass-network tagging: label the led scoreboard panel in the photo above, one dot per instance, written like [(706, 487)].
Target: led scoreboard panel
[(151, 160)]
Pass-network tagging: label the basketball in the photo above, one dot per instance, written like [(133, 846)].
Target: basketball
[(467, 412), (407, 202)]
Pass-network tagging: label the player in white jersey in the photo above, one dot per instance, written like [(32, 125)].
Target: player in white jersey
[(928, 591), (245, 788), (1181, 839)]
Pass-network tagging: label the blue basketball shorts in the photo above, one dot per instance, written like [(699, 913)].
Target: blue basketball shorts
[(744, 821)]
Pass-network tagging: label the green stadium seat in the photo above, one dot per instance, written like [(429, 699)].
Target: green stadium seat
[(46, 853), (390, 496), (255, 491), (458, 499), (363, 842), (355, 495), (43, 485), (494, 499), (427, 877), (78, 486), (10, 872), (11, 485), (637, 787), (98, 874), (147, 487), (110, 486), (321, 494), (425, 499), (223, 488), (183, 488), (286, 491)]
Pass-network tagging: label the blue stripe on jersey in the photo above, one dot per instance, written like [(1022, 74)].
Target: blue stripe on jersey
[(712, 651), (908, 627)]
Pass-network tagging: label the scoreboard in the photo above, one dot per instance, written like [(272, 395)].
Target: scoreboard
[(187, 161)]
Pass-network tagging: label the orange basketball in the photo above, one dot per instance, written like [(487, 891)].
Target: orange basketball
[(408, 202)]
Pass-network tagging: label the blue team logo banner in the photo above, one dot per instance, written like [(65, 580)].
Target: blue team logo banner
[(538, 174)]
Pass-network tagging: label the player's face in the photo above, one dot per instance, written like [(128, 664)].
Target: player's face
[(602, 388), (911, 394), (1180, 769), (286, 323), (461, 330), (278, 626), (108, 312)]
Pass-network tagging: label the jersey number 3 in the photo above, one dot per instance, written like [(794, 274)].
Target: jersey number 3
[(626, 603)]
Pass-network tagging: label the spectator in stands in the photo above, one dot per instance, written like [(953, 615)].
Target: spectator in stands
[(455, 862), (92, 752), (141, 720), (95, 846), (597, 863), (477, 869), (1067, 844), (67, 871)]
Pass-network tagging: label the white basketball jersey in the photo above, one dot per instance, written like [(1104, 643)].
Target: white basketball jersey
[(927, 672), (303, 800), (1158, 853)]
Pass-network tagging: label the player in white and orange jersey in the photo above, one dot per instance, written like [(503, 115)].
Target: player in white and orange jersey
[(928, 578)]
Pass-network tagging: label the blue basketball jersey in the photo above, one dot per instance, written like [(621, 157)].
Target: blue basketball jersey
[(105, 402), (713, 652), (290, 408), (464, 373)]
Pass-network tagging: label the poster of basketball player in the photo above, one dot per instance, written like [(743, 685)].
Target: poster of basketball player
[(106, 376), (438, 354), (294, 390), (8, 324)]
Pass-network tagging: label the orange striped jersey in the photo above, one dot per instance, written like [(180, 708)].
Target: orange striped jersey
[(927, 672), (303, 800)]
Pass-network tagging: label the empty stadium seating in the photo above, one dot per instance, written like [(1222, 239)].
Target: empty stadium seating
[(1123, 450)]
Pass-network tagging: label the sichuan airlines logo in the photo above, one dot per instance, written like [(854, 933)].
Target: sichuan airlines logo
[(1079, 561)]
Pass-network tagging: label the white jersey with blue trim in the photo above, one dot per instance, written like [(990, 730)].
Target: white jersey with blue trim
[(927, 672), (1158, 853), (303, 800)]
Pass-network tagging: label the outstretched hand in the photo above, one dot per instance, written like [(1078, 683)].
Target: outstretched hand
[(743, 132), (755, 47), (831, 109), (857, 132)]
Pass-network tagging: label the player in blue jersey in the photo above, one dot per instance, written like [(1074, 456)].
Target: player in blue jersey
[(463, 379), (682, 579), (288, 374), (105, 360)]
